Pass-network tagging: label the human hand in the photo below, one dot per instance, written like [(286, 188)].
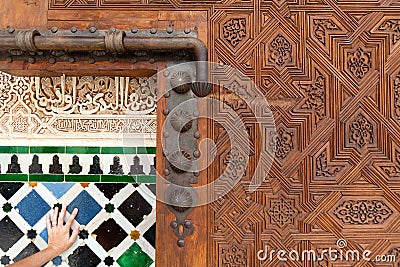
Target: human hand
[(59, 238)]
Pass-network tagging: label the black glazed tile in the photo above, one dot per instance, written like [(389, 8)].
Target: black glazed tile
[(83, 256), (10, 233), (95, 168), (75, 167), (109, 234), (116, 167), (83, 234), (136, 168), (7, 190), (108, 261), (5, 260), (35, 167), (14, 166), (150, 235), (56, 167), (31, 234), (134, 208), (110, 189), (29, 250)]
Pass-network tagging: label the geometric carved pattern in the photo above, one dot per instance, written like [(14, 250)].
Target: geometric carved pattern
[(331, 124), (393, 171), (315, 95), (323, 168), (363, 212), (235, 95), (392, 26), (72, 3), (321, 26)]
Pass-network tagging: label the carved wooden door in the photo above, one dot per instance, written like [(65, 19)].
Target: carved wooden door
[(329, 71)]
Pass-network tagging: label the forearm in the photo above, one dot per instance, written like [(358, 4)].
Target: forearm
[(38, 259)]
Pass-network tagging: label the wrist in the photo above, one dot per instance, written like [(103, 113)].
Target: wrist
[(53, 251)]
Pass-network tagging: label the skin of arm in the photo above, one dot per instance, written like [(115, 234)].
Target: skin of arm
[(59, 239)]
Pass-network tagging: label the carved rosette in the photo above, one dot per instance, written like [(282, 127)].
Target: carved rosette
[(234, 255), (281, 142), (181, 199), (280, 51), (282, 211), (359, 62), (181, 202), (361, 131), (363, 212), (234, 31)]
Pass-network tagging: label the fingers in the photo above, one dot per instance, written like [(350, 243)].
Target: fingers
[(74, 235), (48, 223), (55, 216), (72, 217), (62, 215)]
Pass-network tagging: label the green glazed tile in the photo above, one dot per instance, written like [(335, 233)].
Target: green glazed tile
[(46, 177), (129, 150), (47, 149), (118, 150), (112, 150), (14, 177), (14, 149), (146, 179), (82, 178), (117, 178), (146, 150), (109, 208), (82, 150), (134, 257), (7, 207)]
